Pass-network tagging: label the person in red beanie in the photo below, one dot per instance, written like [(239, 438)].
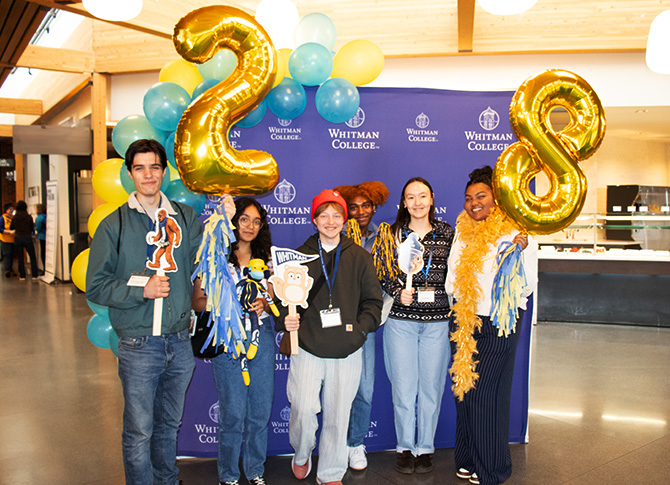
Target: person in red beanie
[(344, 306)]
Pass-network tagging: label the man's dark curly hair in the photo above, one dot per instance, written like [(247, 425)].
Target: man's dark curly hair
[(260, 247), (482, 175)]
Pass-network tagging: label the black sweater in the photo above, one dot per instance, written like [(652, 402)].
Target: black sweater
[(356, 293)]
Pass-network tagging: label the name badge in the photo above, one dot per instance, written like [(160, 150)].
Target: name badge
[(330, 318), (138, 280), (426, 295)]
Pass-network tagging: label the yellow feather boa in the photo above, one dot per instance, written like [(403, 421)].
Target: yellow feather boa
[(475, 237)]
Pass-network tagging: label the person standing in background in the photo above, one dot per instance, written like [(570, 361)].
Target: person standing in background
[(362, 202), (41, 231), (23, 226), (7, 238)]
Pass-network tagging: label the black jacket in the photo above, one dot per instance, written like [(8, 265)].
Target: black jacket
[(356, 293), (23, 224)]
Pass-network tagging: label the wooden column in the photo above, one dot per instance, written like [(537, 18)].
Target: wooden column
[(99, 124), (18, 167)]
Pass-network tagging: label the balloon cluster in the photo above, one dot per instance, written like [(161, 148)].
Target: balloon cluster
[(313, 63)]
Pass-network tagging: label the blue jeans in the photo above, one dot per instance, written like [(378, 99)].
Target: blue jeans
[(245, 411), (359, 419), (416, 356), (154, 372)]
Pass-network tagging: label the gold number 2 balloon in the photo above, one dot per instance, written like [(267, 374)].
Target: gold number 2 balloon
[(206, 161), (540, 148)]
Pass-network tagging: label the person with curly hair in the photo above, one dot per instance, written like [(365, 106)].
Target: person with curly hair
[(245, 410), (362, 202), (416, 334), (482, 395)]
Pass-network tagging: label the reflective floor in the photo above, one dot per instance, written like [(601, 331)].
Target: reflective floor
[(600, 404)]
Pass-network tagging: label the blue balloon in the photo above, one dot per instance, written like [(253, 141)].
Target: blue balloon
[(129, 185), (204, 86), (254, 117), (101, 310), (114, 342), (98, 329), (337, 100), (177, 191), (169, 149), (287, 100), (219, 67), (310, 64), (316, 27), (164, 103), (133, 128)]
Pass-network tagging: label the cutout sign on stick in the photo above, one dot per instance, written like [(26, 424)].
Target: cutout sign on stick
[(291, 282), (410, 257)]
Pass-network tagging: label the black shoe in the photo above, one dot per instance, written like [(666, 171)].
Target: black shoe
[(404, 462), (8, 274), (257, 481), (424, 463)]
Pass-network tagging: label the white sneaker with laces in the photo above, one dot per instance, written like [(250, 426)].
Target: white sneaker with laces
[(357, 459)]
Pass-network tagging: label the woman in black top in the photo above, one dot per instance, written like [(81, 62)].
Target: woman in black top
[(24, 227)]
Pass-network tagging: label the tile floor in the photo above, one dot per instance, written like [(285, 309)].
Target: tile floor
[(600, 404)]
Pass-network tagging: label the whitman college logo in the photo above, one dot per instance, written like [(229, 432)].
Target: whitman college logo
[(280, 427), (422, 135), (354, 140), (357, 120), (489, 119), (488, 142), (284, 192), (283, 132), (208, 433)]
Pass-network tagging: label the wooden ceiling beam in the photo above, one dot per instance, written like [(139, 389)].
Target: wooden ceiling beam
[(6, 130), (21, 106), (466, 24), (61, 60)]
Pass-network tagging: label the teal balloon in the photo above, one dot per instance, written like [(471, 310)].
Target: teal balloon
[(287, 100), (310, 64), (219, 67), (98, 329), (164, 103), (101, 310), (178, 192), (253, 117), (129, 185), (114, 342), (337, 100), (204, 86), (169, 149), (133, 128), (316, 27)]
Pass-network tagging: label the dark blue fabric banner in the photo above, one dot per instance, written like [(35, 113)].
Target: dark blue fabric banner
[(397, 134)]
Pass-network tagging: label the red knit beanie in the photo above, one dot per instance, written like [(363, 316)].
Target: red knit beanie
[(328, 195)]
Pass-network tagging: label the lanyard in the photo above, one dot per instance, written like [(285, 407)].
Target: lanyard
[(426, 268), (325, 271)]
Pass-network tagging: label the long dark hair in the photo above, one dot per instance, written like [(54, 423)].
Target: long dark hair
[(482, 175), (260, 246), (403, 217)]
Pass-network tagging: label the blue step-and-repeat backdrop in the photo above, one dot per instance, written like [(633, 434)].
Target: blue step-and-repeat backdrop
[(397, 134)]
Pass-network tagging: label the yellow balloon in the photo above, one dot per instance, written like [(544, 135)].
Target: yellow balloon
[(540, 148), (181, 72), (107, 181), (359, 61), (98, 214), (283, 56), (206, 161), (78, 270)]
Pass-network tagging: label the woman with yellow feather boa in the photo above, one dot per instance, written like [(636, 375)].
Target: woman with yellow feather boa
[(482, 385)]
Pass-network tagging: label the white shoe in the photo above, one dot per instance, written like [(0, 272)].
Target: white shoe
[(357, 459), (474, 479)]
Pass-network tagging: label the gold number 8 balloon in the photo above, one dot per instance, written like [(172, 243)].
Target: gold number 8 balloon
[(540, 148), (205, 159)]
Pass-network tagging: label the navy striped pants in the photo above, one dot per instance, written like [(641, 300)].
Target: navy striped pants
[(482, 418)]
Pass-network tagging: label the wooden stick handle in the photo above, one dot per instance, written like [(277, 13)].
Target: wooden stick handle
[(292, 312), (408, 285), (158, 310)]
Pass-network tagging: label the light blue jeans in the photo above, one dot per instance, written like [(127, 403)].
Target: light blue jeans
[(416, 356), (245, 411), (154, 372), (359, 419)]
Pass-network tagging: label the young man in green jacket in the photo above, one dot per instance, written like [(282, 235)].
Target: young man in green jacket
[(155, 366)]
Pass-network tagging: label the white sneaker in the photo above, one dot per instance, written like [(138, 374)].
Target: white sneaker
[(474, 479), (357, 459)]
